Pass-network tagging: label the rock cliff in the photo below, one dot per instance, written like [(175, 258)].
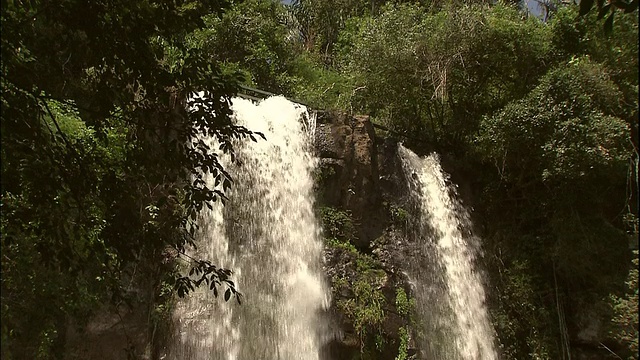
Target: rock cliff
[(360, 193)]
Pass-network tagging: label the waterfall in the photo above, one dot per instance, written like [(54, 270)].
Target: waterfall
[(268, 235), (450, 300)]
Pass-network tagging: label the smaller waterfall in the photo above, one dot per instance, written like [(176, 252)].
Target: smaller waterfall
[(449, 292)]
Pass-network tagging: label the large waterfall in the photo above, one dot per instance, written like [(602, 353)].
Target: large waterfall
[(268, 235), (450, 299)]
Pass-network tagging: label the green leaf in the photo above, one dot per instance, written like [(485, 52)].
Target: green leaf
[(227, 295)]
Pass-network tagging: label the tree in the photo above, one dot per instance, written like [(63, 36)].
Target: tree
[(625, 310), (560, 158), (609, 8), (434, 75), (320, 22), (102, 156), (252, 36)]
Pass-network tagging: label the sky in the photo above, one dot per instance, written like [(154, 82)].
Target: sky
[(535, 8)]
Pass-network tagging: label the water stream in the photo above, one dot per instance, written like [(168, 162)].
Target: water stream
[(450, 298), (269, 236)]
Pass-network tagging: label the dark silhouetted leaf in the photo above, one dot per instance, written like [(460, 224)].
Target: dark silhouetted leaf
[(603, 11), (631, 7), (585, 7), (608, 24)]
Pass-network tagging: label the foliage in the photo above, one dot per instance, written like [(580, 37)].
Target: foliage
[(608, 9), (252, 36), (365, 304), (337, 224), (362, 279), (365, 308), (522, 318), (102, 157), (319, 23), (404, 304), (399, 215), (560, 156), (566, 126), (625, 308), (343, 245), (366, 311), (403, 334), (455, 66), (571, 38), (320, 87), (322, 174)]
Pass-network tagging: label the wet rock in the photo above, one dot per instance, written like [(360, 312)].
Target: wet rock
[(361, 174), (348, 172)]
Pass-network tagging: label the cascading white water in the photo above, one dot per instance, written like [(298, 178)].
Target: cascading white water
[(268, 235), (449, 293)]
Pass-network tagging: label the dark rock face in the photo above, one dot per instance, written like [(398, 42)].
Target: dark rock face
[(349, 172), (361, 174)]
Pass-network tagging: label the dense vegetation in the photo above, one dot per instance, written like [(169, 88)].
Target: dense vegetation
[(101, 158)]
